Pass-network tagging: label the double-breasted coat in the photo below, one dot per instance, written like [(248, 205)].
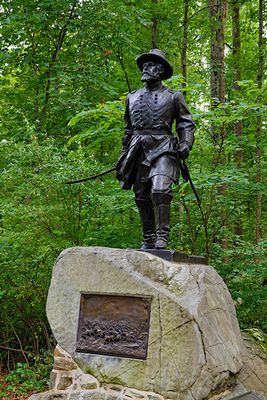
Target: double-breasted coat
[(149, 117)]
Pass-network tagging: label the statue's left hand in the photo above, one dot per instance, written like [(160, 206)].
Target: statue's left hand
[(184, 150)]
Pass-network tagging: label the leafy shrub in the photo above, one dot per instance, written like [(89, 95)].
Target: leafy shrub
[(245, 274), (27, 377)]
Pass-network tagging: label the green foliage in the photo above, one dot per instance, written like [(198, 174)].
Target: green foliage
[(259, 337), (40, 216), (24, 377), (245, 274)]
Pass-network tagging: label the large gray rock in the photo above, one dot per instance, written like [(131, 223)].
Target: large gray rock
[(194, 338), (253, 375)]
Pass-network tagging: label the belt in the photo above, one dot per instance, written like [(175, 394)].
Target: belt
[(151, 132)]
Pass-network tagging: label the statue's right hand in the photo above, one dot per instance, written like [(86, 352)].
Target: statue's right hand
[(125, 141)]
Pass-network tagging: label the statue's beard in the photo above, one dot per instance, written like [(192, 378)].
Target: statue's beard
[(147, 77)]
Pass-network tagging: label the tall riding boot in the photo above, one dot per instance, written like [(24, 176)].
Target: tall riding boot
[(162, 205), (147, 217)]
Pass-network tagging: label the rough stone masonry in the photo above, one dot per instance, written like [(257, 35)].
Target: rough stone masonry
[(194, 342)]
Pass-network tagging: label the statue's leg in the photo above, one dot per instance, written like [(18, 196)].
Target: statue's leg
[(146, 211), (144, 203), (161, 197)]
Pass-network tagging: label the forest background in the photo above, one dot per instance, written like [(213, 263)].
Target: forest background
[(67, 67)]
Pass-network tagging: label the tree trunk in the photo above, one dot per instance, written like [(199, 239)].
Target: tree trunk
[(236, 45), (185, 45), (217, 9), (35, 77), (258, 133), (58, 46), (154, 25), (237, 74)]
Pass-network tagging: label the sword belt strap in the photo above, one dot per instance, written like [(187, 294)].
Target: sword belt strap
[(142, 132)]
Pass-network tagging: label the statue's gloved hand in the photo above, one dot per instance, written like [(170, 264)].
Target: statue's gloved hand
[(184, 150)]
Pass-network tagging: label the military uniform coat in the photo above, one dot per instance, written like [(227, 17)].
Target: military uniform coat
[(149, 117)]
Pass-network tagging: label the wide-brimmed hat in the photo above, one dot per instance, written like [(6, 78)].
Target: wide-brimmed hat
[(157, 56)]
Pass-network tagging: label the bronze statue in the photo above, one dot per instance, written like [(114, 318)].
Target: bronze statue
[(149, 162)]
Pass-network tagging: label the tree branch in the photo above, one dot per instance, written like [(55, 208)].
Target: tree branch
[(16, 350), (119, 56), (58, 45), (191, 16)]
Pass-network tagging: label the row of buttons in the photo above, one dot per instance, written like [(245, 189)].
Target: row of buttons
[(138, 112)]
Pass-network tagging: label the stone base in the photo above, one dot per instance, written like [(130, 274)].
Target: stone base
[(68, 382), (110, 392), (193, 342), (176, 256), (253, 375)]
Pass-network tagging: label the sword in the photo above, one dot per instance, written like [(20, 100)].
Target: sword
[(91, 177), (187, 178), (101, 173), (183, 167)]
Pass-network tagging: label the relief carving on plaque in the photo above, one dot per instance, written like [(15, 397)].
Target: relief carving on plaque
[(114, 325)]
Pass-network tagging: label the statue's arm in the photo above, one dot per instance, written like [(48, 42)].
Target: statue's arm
[(185, 126)]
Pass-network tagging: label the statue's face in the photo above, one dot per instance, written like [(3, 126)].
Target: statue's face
[(152, 72)]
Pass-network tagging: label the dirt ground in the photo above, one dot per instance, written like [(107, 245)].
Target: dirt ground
[(12, 394)]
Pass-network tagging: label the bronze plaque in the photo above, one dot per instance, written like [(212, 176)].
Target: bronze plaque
[(114, 325)]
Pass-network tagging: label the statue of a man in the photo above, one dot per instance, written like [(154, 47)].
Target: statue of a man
[(149, 161)]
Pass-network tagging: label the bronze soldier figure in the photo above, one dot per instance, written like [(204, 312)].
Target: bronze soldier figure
[(149, 161)]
